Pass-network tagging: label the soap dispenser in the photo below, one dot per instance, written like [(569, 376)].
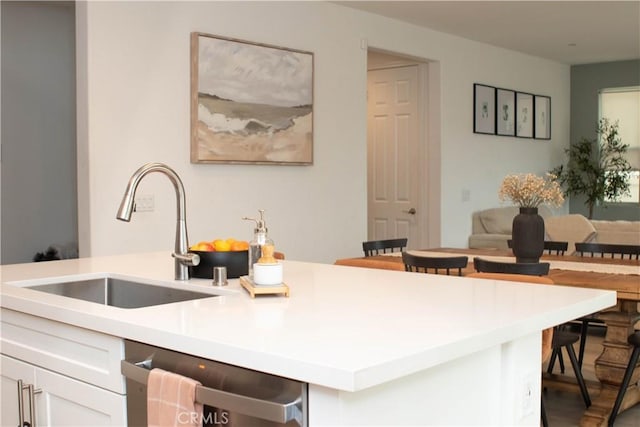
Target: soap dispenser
[(260, 238)]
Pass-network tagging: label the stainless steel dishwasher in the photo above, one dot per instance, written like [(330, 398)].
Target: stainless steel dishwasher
[(230, 395)]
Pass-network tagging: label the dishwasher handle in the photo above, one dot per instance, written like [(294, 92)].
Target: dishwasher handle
[(258, 408)]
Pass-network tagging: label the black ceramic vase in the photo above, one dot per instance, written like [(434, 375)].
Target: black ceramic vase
[(528, 236)]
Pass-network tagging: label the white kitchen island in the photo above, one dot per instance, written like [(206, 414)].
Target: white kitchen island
[(376, 347)]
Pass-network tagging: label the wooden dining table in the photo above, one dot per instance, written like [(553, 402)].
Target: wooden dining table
[(621, 276)]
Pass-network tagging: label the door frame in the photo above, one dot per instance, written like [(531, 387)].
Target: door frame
[(429, 154)]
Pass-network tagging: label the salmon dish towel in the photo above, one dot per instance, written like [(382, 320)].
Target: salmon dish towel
[(171, 400)]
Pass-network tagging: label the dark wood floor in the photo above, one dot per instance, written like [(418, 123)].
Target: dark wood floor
[(566, 408)]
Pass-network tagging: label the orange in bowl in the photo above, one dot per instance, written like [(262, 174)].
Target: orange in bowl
[(221, 245), (239, 245), (203, 246)]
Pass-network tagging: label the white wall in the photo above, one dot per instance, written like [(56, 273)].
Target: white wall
[(134, 88), (471, 161)]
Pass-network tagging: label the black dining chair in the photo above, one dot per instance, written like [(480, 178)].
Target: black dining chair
[(634, 341), (482, 265), (556, 248), (561, 338), (609, 250), (435, 264), (551, 247), (377, 247)]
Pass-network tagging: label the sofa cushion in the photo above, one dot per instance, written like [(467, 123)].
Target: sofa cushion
[(617, 232), (486, 241), (498, 220), (569, 228)]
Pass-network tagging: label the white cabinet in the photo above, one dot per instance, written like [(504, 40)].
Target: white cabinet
[(59, 401), (11, 371), (75, 370)]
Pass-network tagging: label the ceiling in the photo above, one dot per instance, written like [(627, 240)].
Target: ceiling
[(570, 32)]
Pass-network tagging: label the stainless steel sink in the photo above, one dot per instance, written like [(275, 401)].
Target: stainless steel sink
[(119, 292)]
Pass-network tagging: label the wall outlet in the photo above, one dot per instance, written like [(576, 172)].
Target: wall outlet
[(144, 203), (529, 399)]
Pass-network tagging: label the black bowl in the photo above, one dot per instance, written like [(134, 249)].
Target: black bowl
[(237, 263)]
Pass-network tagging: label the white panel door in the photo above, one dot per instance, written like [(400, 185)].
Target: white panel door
[(392, 154)]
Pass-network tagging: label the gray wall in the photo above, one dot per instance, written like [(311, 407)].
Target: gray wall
[(38, 128), (586, 81)]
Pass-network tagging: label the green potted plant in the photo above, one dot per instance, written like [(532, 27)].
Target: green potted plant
[(597, 168)]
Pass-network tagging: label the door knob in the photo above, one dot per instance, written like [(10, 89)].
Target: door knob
[(411, 211)]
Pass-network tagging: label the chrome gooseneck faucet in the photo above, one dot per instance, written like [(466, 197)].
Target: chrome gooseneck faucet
[(183, 259)]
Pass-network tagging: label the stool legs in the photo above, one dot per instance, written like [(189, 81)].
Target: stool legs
[(556, 354), (567, 344), (543, 414), (583, 340), (625, 383), (579, 377)]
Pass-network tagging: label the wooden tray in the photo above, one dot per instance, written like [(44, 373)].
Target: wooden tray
[(263, 290)]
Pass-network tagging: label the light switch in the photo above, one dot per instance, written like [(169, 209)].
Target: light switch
[(144, 203)]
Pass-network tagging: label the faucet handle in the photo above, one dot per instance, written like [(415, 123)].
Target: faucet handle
[(189, 258)]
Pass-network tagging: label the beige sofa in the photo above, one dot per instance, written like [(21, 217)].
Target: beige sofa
[(491, 228), (620, 232)]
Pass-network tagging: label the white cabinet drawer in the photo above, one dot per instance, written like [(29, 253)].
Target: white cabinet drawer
[(79, 353)]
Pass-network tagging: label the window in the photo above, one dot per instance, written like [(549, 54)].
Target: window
[(623, 105)]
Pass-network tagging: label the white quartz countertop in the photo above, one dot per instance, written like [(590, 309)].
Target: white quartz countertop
[(346, 328)]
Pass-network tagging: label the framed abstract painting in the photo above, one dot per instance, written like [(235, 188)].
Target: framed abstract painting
[(251, 103)]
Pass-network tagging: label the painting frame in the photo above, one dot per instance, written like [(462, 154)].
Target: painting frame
[(251, 103), (542, 112), (484, 109), (524, 115), (505, 112)]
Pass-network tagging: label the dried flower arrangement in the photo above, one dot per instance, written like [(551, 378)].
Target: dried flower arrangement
[(530, 191)]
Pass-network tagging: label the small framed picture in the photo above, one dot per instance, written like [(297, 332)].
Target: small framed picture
[(542, 112), (484, 113), (505, 112), (524, 115)]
